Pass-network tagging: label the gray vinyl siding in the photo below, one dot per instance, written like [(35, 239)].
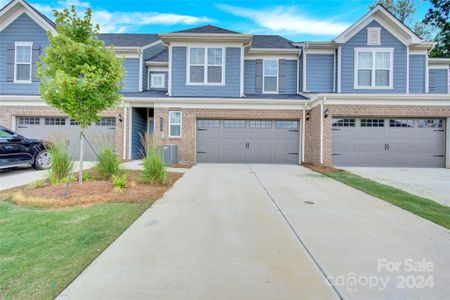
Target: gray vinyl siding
[(26, 30), (131, 80), (139, 127), (360, 41), (232, 76), (438, 81), (319, 72), (287, 78), (250, 77), (148, 53), (166, 81), (417, 74)]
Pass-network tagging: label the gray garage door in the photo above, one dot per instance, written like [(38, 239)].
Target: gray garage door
[(389, 142), (50, 128), (248, 141)]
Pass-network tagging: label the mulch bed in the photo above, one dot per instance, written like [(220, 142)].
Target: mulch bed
[(320, 169), (90, 192), (181, 166)]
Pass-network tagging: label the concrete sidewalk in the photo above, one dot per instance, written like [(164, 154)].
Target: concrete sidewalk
[(268, 232)]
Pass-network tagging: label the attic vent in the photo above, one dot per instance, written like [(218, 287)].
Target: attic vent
[(373, 35)]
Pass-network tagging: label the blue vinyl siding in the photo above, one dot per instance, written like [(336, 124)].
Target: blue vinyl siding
[(148, 53), (250, 77), (319, 71), (131, 80), (232, 76), (26, 30), (359, 40), (438, 81), (417, 74), (288, 84), (139, 127)]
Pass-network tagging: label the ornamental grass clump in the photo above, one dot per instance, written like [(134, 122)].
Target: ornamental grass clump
[(108, 163), (154, 171), (62, 164)]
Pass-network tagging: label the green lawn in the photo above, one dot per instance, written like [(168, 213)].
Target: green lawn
[(43, 250), (423, 207)]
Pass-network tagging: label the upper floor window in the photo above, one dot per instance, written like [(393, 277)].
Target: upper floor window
[(22, 62), (206, 66), (374, 68), (270, 76), (157, 80)]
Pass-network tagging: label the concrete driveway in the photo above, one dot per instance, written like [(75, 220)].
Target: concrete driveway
[(13, 177), (269, 232), (431, 183)]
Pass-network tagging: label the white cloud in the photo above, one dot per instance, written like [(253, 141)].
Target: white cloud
[(287, 19), (120, 21)]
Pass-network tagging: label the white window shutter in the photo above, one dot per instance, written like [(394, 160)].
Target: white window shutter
[(373, 36)]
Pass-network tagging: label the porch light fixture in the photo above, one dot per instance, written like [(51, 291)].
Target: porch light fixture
[(326, 113), (308, 115), (119, 117)]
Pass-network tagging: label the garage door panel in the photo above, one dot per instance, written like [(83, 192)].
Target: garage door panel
[(401, 142), (53, 128), (248, 141)]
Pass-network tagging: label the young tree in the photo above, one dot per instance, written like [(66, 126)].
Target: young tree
[(78, 74), (438, 16)]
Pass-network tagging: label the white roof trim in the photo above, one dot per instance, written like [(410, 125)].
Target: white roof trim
[(397, 27), (24, 9)]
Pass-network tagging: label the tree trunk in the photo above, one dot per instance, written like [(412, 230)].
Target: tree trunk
[(80, 178)]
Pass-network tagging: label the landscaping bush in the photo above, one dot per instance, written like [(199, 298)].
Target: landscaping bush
[(62, 163), (108, 163), (119, 181), (87, 176), (37, 183), (154, 169)]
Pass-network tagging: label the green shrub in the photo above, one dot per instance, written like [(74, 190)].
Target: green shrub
[(108, 163), (119, 181), (62, 163), (37, 183), (87, 176), (154, 169)]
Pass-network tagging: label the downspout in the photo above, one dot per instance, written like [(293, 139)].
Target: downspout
[(242, 69), (298, 74), (141, 62), (169, 71), (125, 124), (321, 129), (303, 131)]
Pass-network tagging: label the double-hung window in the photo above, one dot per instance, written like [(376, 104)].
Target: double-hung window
[(22, 62), (174, 123), (270, 76), (206, 65), (373, 68)]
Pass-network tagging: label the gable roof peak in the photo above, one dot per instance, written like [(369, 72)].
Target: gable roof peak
[(207, 29)]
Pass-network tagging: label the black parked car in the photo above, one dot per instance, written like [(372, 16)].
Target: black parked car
[(16, 150)]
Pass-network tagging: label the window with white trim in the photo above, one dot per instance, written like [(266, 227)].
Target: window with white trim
[(206, 65), (373, 36), (22, 62), (157, 80), (373, 68), (270, 76), (174, 123)]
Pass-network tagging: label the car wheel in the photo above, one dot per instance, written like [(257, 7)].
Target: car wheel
[(43, 160)]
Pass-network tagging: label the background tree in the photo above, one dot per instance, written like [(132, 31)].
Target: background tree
[(404, 10), (438, 16), (78, 74)]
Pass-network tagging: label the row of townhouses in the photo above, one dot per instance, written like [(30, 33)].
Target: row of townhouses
[(370, 97)]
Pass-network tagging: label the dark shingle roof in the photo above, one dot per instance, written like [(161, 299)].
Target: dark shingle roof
[(208, 29), (271, 41), (162, 56), (128, 39)]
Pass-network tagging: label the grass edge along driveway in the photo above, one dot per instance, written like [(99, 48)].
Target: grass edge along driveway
[(423, 207), (43, 250)]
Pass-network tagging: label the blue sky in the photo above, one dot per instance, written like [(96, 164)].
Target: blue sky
[(296, 20)]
